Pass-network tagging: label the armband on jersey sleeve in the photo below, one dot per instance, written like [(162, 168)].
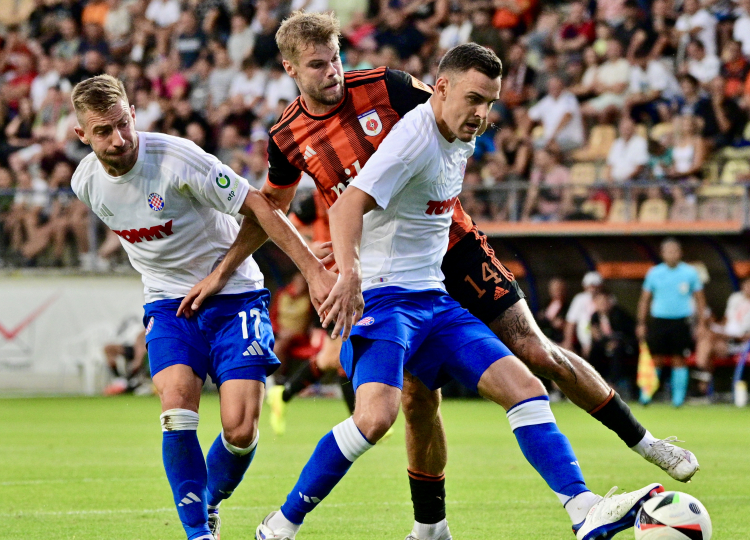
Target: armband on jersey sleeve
[(281, 173), (405, 91)]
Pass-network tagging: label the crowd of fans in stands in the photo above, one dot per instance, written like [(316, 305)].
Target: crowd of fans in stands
[(600, 93)]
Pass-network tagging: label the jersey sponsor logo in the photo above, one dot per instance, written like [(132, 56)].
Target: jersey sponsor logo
[(367, 321), (223, 181), (156, 202), (440, 207), (150, 326), (370, 122), (151, 233)]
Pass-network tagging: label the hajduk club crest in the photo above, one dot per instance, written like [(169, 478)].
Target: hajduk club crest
[(370, 122)]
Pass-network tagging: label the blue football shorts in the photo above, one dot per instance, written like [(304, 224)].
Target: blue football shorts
[(432, 336), (229, 338)]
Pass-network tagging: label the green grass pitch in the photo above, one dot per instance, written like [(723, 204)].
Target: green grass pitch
[(90, 468)]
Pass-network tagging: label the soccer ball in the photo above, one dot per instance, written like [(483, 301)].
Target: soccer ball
[(672, 515)]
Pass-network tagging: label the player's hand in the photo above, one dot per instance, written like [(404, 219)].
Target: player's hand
[(320, 286), (206, 287), (324, 253), (344, 305)]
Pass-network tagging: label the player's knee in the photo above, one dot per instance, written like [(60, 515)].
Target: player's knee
[(375, 424), (178, 397), (419, 403), (242, 435)]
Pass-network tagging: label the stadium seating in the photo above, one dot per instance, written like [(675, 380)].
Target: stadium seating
[(653, 211)]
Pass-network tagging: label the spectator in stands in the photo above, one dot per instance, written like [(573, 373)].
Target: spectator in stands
[(400, 33), (513, 152), (635, 31), (552, 318), (652, 87), (518, 78), (241, 40), (672, 294), (291, 314), (691, 99), (221, 76), (688, 150), (741, 31), (576, 33), (628, 155), (612, 79), (728, 337), (190, 40), (735, 69), (560, 116), (19, 133), (663, 20), (163, 13), (696, 22), (458, 29), (613, 340), (723, 119), (549, 197), (578, 318), (610, 11), (483, 33), (584, 88), (701, 65)]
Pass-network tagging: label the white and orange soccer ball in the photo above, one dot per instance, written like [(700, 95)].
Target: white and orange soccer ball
[(672, 515)]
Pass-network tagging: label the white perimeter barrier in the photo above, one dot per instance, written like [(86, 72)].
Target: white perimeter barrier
[(53, 329)]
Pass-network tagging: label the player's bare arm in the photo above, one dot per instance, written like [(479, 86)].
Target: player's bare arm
[(345, 304), (249, 239)]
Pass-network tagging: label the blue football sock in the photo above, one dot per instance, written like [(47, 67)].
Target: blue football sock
[(226, 466), (186, 470), (546, 448), (680, 378), (333, 456)]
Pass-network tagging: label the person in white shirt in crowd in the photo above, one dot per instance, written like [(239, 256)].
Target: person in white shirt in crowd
[(458, 29), (560, 115), (628, 154), (652, 87), (578, 318), (728, 338), (701, 65), (697, 23), (249, 83), (163, 13), (241, 40), (612, 79), (221, 76), (741, 30)]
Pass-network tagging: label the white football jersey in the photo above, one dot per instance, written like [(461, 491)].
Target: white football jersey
[(174, 213), (415, 177)]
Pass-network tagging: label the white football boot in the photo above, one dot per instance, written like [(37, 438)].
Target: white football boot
[(214, 524), (438, 531), (264, 532), (677, 462), (614, 513)]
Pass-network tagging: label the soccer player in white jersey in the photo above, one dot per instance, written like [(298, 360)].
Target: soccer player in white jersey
[(406, 193), (174, 207)]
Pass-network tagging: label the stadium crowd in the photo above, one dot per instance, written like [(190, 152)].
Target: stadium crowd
[(610, 109)]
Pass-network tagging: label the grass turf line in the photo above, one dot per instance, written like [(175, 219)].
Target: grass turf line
[(90, 468)]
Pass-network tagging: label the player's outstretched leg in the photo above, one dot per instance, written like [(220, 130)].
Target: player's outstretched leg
[(279, 395), (179, 390), (585, 387), (510, 384), (426, 448), (375, 411), (233, 450)]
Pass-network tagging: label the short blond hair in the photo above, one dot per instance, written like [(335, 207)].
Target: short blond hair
[(300, 30), (98, 94)]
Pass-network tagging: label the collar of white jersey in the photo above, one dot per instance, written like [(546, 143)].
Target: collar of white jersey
[(128, 176), (445, 143)]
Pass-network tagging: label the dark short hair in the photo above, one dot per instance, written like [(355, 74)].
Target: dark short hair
[(469, 56)]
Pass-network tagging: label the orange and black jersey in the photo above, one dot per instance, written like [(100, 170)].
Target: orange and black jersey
[(332, 148)]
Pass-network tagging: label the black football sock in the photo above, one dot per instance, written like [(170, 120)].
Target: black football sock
[(347, 389), (428, 497), (302, 378), (617, 416)]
